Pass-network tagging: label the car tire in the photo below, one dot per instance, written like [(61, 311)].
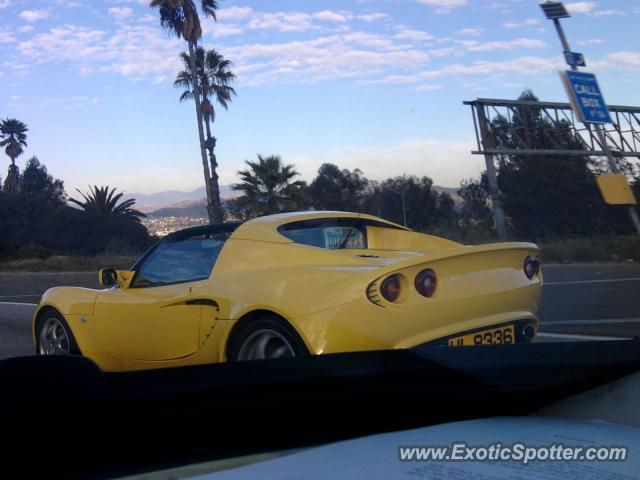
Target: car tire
[(266, 338), (53, 329)]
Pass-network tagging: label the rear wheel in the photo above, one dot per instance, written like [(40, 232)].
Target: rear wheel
[(53, 335), (266, 338)]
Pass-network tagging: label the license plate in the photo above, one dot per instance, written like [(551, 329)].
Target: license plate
[(494, 336)]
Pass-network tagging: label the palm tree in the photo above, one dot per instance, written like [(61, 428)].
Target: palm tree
[(103, 202), (214, 76), (13, 136), (180, 17), (268, 186)]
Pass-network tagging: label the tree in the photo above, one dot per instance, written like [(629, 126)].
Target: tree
[(13, 137), (476, 219), (40, 186), (427, 209), (335, 189), (214, 76), (102, 202), (181, 18), (547, 197), (269, 187)]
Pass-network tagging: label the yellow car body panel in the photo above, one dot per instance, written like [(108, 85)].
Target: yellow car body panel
[(321, 293)]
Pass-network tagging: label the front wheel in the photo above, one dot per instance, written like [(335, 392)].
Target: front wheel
[(53, 335), (267, 338)]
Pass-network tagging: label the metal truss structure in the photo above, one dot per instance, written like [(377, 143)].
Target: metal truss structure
[(623, 136), (617, 140)]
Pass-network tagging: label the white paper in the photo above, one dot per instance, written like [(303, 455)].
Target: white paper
[(376, 457)]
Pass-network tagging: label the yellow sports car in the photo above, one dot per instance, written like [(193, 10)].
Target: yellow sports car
[(294, 284)]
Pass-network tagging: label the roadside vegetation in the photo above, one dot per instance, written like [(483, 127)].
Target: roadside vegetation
[(607, 249), (66, 263)]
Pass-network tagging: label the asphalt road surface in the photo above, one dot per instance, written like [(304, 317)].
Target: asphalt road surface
[(578, 302)]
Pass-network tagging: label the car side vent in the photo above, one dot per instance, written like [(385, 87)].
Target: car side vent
[(371, 256), (373, 294)]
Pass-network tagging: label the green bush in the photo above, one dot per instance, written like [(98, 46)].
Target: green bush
[(63, 263), (593, 249)]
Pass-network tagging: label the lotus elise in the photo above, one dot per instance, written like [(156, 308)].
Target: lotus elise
[(304, 283)]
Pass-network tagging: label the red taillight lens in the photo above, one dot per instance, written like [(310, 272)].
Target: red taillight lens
[(390, 288), (426, 282), (531, 267)]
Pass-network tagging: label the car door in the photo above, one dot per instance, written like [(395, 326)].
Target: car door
[(158, 316)]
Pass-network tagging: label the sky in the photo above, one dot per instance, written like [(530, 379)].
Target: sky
[(370, 84)]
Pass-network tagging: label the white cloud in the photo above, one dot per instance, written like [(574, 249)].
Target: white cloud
[(472, 32), (591, 41), (133, 51), (580, 7), (608, 13), (372, 17), (527, 65), (443, 6), (476, 46), (405, 33), (120, 13), (351, 55), (26, 29), (64, 43), (624, 60), (5, 4), (281, 21), (6, 37), (331, 16), (233, 13), (225, 30), (34, 15), (525, 23), (69, 102)]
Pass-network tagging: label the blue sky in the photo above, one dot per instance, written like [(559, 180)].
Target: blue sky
[(370, 84)]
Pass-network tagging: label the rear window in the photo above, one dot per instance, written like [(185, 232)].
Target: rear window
[(329, 233)]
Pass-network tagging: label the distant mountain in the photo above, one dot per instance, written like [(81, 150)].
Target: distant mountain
[(195, 208), (198, 207), (149, 202)]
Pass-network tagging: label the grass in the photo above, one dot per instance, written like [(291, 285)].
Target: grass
[(593, 249), (62, 263)]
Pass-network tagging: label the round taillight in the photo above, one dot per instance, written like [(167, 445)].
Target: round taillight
[(426, 282), (531, 267), (390, 288)]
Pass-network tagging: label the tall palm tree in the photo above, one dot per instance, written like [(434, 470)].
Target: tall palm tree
[(180, 17), (214, 76), (268, 186), (13, 136), (103, 202)]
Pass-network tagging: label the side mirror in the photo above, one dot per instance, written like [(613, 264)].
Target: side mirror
[(107, 277)]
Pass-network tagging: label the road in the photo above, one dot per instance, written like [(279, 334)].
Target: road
[(578, 302)]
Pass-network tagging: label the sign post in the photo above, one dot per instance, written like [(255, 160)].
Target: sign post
[(584, 93)]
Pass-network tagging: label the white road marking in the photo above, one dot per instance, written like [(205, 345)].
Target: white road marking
[(579, 337), (585, 282), (19, 303)]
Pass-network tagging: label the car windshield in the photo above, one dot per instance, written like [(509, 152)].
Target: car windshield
[(185, 260), (191, 187)]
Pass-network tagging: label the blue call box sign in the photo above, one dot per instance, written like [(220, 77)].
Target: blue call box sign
[(586, 97), (575, 59)]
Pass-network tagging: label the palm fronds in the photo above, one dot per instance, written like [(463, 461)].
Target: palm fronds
[(103, 201)]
